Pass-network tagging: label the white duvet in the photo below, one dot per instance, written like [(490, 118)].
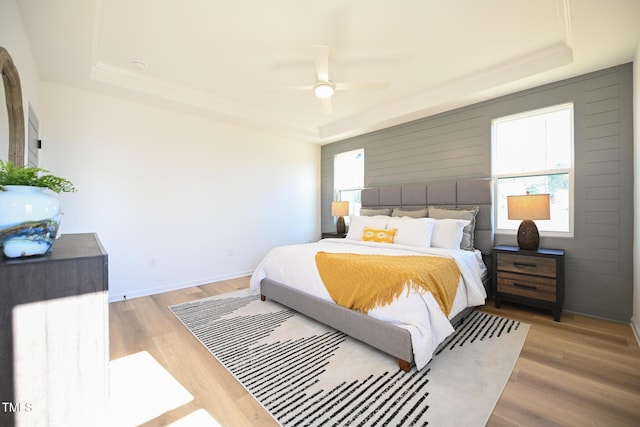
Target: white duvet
[(416, 311)]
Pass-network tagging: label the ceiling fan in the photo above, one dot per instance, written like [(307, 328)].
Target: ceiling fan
[(324, 87)]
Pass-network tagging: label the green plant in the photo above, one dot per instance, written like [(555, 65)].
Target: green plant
[(35, 177)]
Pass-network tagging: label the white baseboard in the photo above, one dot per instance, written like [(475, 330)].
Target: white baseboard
[(173, 287), (635, 327)]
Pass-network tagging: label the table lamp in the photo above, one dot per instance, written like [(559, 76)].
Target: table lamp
[(340, 209), (528, 208)]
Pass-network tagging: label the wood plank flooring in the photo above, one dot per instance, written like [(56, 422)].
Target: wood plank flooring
[(579, 372)]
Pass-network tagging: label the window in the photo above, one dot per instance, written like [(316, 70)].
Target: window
[(348, 178), (533, 152)]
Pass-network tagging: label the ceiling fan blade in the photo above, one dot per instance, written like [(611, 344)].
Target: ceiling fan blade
[(362, 86), (321, 59), (307, 87), (327, 108)]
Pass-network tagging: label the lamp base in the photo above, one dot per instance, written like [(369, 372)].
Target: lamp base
[(528, 236), (341, 228)]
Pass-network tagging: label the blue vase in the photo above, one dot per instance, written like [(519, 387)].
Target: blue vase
[(29, 220)]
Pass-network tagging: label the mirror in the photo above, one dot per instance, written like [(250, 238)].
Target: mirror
[(4, 129), (15, 113)]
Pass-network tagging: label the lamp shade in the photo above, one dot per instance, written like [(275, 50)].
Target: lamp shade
[(339, 208), (531, 206)]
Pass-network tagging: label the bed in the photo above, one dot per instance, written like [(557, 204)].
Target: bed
[(287, 275)]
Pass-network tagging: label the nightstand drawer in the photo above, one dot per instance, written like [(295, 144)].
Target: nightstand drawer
[(333, 235), (538, 266), (541, 288)]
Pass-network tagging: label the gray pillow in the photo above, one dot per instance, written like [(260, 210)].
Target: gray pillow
[(412, 213), (375, 211), (459, 213)]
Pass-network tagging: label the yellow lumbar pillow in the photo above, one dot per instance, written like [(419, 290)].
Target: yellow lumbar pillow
[(377, 235)]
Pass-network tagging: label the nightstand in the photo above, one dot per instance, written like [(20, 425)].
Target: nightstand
[(534, 278), (333, 235)]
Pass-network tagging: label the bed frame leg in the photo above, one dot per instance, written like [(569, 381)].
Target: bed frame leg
[(404, 365), (262, 298)]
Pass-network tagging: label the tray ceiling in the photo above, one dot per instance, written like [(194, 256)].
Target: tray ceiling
[(233, 60)]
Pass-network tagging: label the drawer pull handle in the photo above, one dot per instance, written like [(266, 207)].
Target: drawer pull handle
[(525, 264), (521, 286)]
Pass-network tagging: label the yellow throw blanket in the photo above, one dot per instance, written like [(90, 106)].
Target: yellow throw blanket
[(363, 282)]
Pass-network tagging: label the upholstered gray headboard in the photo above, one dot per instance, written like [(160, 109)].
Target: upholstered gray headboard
[(451, 194)]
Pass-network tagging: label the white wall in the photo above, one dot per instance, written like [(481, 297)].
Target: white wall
[(176, 200), (635, 319)]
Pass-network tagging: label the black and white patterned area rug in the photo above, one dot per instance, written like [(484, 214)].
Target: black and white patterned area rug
[(304, 373)]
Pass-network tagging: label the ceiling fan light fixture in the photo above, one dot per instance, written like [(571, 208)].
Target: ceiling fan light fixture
[(324, 89)]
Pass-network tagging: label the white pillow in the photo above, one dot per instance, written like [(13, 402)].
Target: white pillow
[(447, 233), (358, 223), (412, 231)]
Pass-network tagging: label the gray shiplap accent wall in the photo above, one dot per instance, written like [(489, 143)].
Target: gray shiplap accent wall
[(457, 145), (449, 146)]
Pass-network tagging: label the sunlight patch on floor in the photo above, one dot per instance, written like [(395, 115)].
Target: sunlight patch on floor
[(199, 418), (141, 390)]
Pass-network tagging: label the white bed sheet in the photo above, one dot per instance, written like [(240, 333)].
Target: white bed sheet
[(416, 311)]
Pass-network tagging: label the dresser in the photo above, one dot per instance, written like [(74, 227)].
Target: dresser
[(534, 278), (54, 335)]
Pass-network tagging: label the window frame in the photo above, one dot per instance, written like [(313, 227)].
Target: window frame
[(570, 171), (337, 191)]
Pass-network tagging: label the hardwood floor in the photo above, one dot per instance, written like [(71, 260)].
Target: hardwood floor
[(579, 372)]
